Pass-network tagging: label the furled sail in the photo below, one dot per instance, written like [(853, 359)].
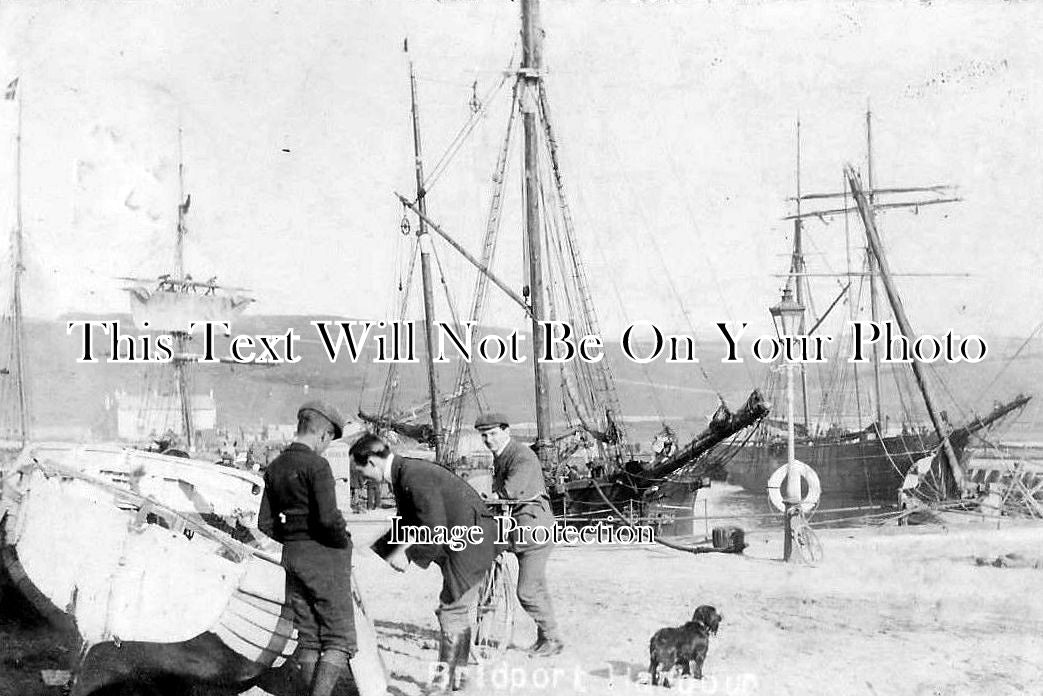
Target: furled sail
[(171, 309)]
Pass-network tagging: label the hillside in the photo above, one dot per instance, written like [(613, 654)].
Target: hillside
[(65, 392)]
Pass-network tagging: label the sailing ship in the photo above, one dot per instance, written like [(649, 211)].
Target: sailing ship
[(170, 303), (589, 433), (866, 464)]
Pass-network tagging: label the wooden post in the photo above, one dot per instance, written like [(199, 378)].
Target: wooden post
[(706, 517), (695, 514)]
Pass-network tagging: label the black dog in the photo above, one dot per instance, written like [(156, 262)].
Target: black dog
[(685, 645)]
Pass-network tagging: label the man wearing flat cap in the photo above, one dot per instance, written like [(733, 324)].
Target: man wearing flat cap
[(517, 475), (299, 510)]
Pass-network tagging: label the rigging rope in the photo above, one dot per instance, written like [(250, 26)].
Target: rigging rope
[(1011, 359), (674, 291), (598, 376), (387, 398), (465, 376), (465, 131), (673, 287), (645, 368), (451, 425)]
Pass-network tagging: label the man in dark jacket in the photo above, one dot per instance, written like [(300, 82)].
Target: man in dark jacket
[(299, 509), (430, 496), (517, 475)]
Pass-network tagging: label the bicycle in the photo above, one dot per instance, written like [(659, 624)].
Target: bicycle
[(805, 541), (494, 629), (495, 621)]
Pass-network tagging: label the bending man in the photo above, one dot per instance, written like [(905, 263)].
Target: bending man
[(428, 495)]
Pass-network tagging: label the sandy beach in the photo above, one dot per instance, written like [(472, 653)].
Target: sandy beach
[(892, 611), (895, 610)]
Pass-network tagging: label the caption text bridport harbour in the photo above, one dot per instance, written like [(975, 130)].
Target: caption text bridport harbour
[(396, 342)]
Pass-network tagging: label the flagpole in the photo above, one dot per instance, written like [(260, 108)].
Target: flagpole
[(19, 268)]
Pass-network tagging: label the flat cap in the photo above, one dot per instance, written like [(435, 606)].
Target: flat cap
[(328, 412), (491, 420)]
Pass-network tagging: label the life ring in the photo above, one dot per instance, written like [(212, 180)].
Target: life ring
[(808, 503)]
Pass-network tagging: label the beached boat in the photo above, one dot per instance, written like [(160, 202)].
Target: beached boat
[(138, 582), (854, 468), (222, 496), (866, 464), (153, 595), (586, 452), (640, 486)]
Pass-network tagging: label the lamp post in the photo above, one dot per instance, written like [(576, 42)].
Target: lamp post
[(786, 315)]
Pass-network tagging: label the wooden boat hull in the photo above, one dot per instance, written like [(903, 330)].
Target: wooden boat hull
[(628, 491), (189, 486), (121, 569), (581, 502), (865, 472), (151, 594)]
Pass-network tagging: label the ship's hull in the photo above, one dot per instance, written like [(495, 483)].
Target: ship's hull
[(192, 487), (117, 567), (581, 502), (151, 592), (641, 486), (864, 472)]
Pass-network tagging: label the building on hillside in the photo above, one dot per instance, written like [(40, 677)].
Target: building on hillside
[(144, 416)]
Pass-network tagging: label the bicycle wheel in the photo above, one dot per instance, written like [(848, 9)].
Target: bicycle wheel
[(806, 542), (495, 626)]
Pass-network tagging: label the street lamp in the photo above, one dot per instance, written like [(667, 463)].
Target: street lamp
[(786, 315)]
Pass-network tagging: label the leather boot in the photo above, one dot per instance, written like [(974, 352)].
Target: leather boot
[(540, 639), (326, 676), (545, 645), (548, 648)]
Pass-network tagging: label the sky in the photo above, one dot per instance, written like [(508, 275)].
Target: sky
[(676, 124)]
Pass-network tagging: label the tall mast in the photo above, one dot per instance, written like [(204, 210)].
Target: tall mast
[(181, 337), (797, 266), (797, 260), (530, 82), (16, 300), (939, 194), (424, 240), (179, 242), (868, 215), (874, 311)]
